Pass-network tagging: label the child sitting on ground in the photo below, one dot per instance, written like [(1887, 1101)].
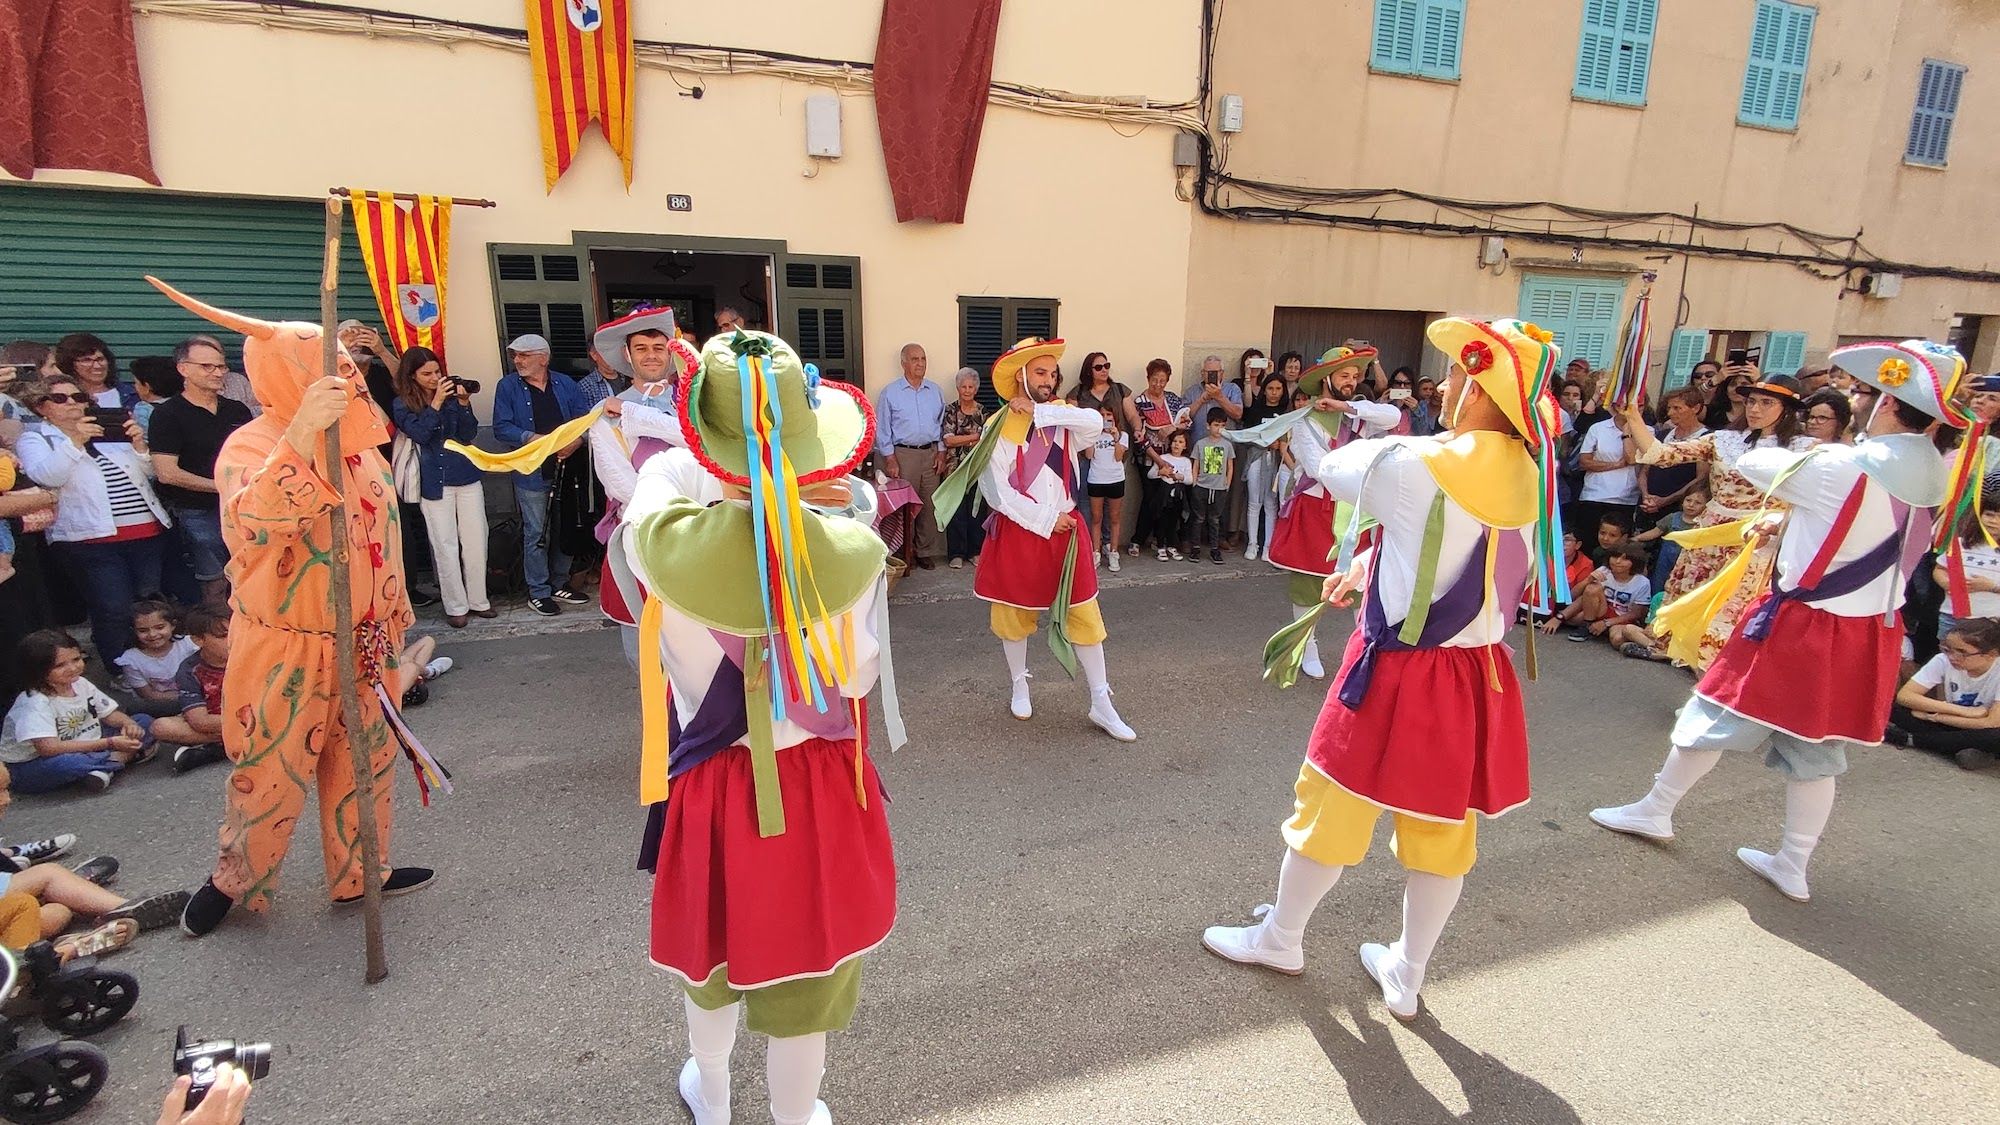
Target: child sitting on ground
[(1613, 532), (1617, 593), (1948, 704), (1579, 569), (1679, 520), (148, 669), (196, 732), (54, 735), (40, 902)]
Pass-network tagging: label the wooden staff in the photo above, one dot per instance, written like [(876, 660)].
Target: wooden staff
[(341, 584), (409, 197)]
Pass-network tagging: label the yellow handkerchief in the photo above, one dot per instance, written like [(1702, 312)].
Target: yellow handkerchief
[(529, 457)]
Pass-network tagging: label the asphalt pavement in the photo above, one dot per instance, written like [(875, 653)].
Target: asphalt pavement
[(1054, 884)]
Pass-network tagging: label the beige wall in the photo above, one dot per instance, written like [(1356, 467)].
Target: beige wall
[(1059, 207), (1510, 130)]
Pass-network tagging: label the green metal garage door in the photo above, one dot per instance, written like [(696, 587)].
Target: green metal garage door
[(74, 259)]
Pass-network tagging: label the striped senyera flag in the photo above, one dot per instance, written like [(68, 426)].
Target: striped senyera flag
[(582, 53), (405, 248)]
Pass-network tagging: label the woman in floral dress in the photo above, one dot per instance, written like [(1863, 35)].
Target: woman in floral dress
[(962, 423), (1771, 419)]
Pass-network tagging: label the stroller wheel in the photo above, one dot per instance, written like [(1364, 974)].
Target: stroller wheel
[(52, 1083), (88, 1002)]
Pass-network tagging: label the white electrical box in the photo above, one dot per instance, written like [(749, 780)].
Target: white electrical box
[(823, 126), (1492, 250), (1882, 286), (1232, 113)]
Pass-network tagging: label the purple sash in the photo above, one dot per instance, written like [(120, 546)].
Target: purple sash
[(1846, 578), (1449, 615)]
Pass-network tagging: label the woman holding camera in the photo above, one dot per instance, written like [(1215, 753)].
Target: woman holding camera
[(109, 529), (431, 408)]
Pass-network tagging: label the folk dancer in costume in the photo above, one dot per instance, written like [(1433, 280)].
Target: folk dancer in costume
[(1810, 670), (283, 730), (765, 629), (1035, 560), (1304, 540), (1425, 718), (637, 423)]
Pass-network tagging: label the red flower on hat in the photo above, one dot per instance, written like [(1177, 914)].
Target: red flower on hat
[(1475, 357)]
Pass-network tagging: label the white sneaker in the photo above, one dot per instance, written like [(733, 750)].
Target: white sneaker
[(1398, 979), (40, 851), (704, 1114), (1022, 707), (821, 1115), (1257, 944), (1790, 882), (97, 781), (1635, 820), (1111, 559), (1311, 665), (1106, 717), (1251, 554), (438, 667)]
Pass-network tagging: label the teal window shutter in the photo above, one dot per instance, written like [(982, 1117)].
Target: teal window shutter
[(1420, 37), (1937, 104), (1689, 347), (1784, 353), (1395, 43), (1615, 52), (1583, 314), (1774, 81)]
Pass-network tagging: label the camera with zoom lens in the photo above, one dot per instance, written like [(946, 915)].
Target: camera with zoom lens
[(199, 1061), (471, 385)]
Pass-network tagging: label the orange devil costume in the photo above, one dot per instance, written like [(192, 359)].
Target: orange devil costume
[(282, 724)]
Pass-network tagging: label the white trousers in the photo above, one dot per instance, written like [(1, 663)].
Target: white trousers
[(457, 527), (1260, 517)]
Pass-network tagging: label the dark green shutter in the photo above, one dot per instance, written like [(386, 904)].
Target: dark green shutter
[(988, 326), (544, 290), (819, 307), (74, 260)]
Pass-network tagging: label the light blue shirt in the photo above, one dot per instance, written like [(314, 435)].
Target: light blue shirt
[(1200, 421), (907, 415)]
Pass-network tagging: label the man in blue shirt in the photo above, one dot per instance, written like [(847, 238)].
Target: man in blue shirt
[(532, 400), (909, 435)]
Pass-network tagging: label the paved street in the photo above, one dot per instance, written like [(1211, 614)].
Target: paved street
[(1054, 883)]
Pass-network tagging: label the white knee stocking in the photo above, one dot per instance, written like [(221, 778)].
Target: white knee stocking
[(1017, 658), (1302, 883), (711, 1036), (794, 1067), (1808, 804), (1677, 775), (1427, 905), (1091, 659)]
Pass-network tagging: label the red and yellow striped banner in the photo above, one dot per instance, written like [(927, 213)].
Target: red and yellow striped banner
[(405, 247), (582, 52)]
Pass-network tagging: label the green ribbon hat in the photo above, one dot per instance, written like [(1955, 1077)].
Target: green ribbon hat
[(825, 428)]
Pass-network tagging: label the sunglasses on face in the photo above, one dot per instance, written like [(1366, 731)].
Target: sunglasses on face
[(1100, 367), (61, 397), (1398, 383)]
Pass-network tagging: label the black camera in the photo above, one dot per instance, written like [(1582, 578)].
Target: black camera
[(199, 1060), (471, 385)]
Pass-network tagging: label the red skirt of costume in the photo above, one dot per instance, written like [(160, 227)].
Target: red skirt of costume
[(1432, 738), (1019, 568), (783, 907), (611, 599), (1303, 541), (1816, 676)]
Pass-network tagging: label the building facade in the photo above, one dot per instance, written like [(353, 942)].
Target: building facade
[(1791, 176), (1756, 156), (1073, 225)]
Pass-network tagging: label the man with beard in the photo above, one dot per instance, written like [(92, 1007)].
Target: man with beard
[(1304, 540), (1034, 560)]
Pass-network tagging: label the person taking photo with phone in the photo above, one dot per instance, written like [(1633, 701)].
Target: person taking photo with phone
[(110, 527)]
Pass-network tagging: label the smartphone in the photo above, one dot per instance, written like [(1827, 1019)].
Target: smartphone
[(1398, 394), (1737, 356), (1258, 363), (112, 420)]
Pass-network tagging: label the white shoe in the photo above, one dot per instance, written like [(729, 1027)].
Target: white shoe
[(1634, 820), (438, 667), (1106, 717), (1257, 944), (1111, 559), (1022, 707), (704, 1114), (1399, 981), (1250, 555), (1311, 665), (821, 1115), (1791, 883)]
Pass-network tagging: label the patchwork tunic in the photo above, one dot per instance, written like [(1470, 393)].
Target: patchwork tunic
[(1029, 485), (1304, 541)]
